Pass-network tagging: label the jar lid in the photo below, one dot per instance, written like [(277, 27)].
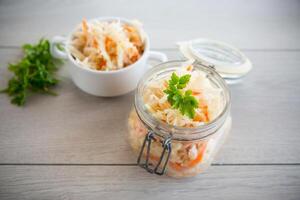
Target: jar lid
[(228, 61)]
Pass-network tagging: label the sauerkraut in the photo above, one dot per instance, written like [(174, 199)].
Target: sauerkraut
[(106, 45), (209, 99)]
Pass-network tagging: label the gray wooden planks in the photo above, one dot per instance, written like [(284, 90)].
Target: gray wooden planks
[(70, 147), (132, 182), (78, 128), (270, 24)]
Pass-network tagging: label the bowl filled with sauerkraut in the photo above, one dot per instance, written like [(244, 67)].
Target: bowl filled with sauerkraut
[(108, 55)]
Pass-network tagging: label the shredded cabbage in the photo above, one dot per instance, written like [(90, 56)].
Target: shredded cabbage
[(106, 46), (209, 99)]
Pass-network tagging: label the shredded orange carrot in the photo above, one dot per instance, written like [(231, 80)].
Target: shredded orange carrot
[(128, 28), (95, 43), (85, 28), (189, 68), (165, 105), (199, 117), (111, 47), (101, 65), (195, 93), (191, 163), (205, 111)]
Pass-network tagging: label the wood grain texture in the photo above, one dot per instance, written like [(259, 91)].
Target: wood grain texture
[(75, 127), (73, 146), (269, 24), (131, 182)]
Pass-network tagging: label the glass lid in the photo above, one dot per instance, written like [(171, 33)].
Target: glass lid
[(228, 61)]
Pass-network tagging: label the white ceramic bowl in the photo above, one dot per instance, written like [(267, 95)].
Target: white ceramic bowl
[(106, 83)]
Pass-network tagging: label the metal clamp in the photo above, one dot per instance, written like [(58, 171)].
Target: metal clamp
[(166, 144), (205, 65)]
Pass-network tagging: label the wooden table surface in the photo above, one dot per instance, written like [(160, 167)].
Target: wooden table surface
[(73, 146)]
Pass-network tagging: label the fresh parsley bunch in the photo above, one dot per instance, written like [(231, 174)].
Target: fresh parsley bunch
[(183, 101), (33, 73)]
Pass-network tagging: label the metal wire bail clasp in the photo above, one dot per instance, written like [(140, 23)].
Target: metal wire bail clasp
[(197, 62), (166, 144)]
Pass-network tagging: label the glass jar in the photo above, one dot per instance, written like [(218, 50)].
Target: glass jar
[(160, 146)]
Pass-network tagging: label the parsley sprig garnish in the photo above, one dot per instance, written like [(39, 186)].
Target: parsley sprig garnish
[(35, 72), (183, 101)]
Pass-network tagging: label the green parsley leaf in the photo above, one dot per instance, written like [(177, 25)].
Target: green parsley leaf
[(174, 79), (35, 72), (185, 79), (184, 102)]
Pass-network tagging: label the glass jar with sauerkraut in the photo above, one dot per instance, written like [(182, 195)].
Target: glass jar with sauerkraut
[(180, 119)]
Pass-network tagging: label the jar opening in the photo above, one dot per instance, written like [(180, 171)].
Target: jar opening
[(164, 129)]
